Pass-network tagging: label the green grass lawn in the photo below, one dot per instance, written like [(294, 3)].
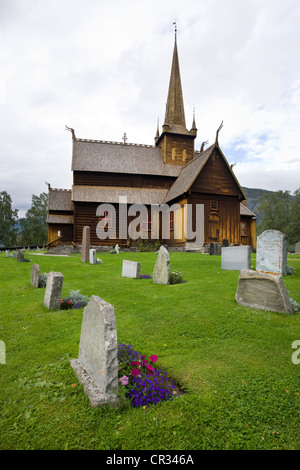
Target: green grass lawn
[(233, 363)]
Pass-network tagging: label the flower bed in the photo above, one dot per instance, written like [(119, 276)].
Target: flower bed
[(74, 300), (144, 384)]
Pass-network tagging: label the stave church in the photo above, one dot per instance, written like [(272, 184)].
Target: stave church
[(119, 176)]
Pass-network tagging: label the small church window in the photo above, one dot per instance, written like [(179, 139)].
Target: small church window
[(214, 205), (146, 224), (173, 153), (172, 220), (184, 155), (106, 219), (243, 229)]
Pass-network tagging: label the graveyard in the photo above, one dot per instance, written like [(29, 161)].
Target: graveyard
[(232, 363)]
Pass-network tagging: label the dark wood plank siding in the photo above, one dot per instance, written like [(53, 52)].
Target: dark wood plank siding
[(85, 178)]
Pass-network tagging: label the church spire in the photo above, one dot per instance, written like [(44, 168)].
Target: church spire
[(175, 117)]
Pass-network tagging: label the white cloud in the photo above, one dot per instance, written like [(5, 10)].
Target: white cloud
[(103, 68)]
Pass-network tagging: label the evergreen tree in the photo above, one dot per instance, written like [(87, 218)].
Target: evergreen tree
[(34, 225), (8, 220)]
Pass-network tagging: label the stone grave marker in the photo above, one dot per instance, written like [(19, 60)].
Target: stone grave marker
[(161, 272), (35, 275), (262, 291), (53, 291), (97, 365), (271, 252), (20, 257), (85, 246), (93, 259), (131, 269), (297, 248), (236, 257), (15, 254)]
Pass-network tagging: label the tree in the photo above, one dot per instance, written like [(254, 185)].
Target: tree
[(8, 220), (280, 211), (34, 225)]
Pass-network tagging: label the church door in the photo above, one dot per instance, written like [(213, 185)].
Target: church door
[(213, 227)]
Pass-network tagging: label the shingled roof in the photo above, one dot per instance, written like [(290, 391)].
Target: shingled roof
[(59, 200), (117, 157), (104, 194)]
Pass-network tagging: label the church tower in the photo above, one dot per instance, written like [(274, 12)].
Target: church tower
[(176, 142)]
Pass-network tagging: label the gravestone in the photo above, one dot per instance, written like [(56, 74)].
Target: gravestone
[(15, 254), (117, 249), (271, 252), (161, 272), (131, 269), (7, 253), (20, 257), (297, 248), (35, 275), (97, 365), (85, 246), (93, 259), (263, 291), (236, 257), (53, 290)]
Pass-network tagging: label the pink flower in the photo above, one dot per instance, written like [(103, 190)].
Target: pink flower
[(135, 372), (150, 369), (134, 363), (153, 358), (124, 380)]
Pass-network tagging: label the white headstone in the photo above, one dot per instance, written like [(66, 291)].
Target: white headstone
[(93, 259), (271, 252), (131, 269), (236, 257), (97, 364), (53, 290), (117, 249)]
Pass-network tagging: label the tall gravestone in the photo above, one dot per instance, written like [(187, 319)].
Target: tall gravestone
[(297, 248), (131, 269), (161, 272), (53, 291), (85, 246), (35, 275), (97, 365), (271, 252)]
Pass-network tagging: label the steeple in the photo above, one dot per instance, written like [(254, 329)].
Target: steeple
[(174, 117), (176, 143)]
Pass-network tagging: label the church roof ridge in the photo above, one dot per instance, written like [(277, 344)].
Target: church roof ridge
[(111, 142)]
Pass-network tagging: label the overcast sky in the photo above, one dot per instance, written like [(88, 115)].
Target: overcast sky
[(102, 67)]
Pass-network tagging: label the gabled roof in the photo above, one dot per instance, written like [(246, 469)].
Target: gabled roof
[(59, 200), (190, 172), (117, 157)]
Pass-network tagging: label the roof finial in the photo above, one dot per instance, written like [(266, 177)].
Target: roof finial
[(124, 137), (218, 130), (175, 28)]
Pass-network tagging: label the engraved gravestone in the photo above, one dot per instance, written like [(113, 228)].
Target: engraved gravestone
[(131, 269), (271, 252), (97, 365), (35, 275), (20, 257), (85, 246), (161, 272), (53, 290)]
